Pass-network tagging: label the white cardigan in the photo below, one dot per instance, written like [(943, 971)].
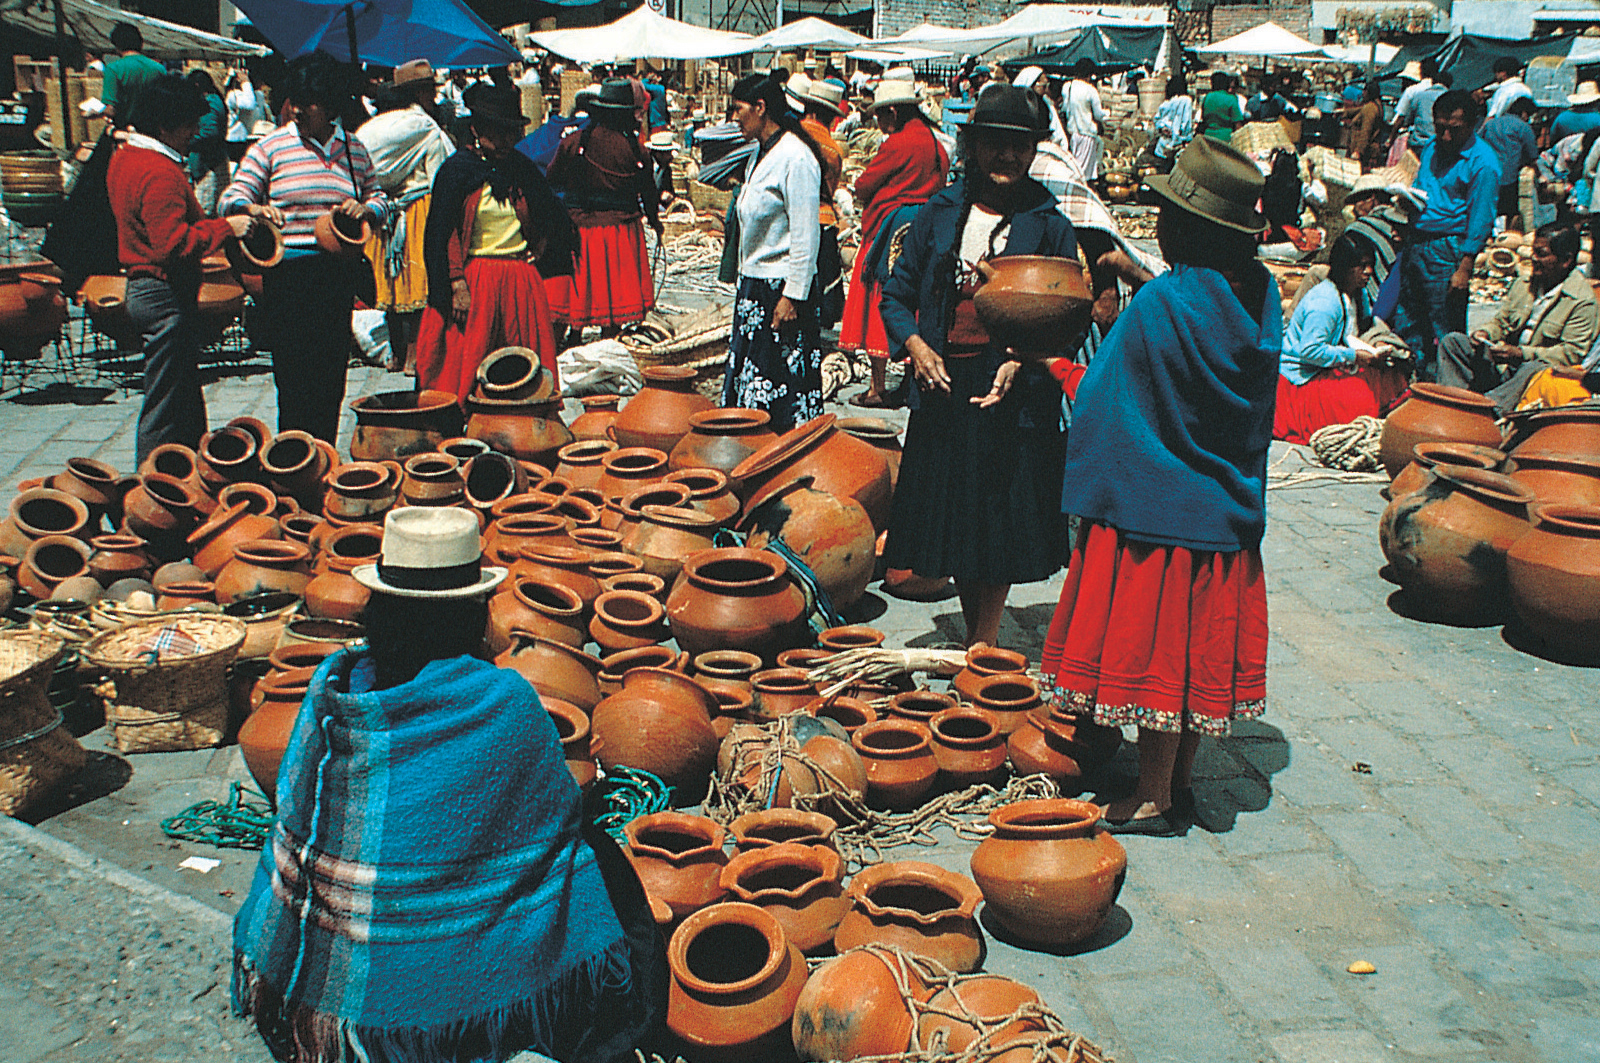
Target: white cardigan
[(779, 228)]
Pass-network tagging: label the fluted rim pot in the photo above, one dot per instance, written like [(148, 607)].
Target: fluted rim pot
[(799, 885), (677, 842), (773, 826), (917, 906)]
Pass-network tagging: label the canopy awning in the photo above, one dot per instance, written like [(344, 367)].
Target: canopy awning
[(1470, 58), (90, 23), (387, 32), (891, 56), (810, 33), (643, 34), (1268, 39), (1108, 47), (1040, 23), (1360, 53)]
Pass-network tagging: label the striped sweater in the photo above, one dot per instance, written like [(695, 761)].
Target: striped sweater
[(304, 179)]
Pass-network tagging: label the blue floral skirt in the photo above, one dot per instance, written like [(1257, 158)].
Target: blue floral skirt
[(780, 372)]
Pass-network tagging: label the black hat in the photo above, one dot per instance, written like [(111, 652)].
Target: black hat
[(615, 95), (1008, 108), (496, 104)]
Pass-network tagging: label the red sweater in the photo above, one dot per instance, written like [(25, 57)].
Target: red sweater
[(160, 226), (909, 168)]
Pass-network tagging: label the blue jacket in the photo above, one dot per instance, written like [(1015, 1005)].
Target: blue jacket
[(1315, 337), (1462, 193)]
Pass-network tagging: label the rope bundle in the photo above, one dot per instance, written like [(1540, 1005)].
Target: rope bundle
[(1349, 447)]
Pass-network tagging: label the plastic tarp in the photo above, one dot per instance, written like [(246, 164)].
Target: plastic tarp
[(642, 34), (1040, 23), (1267, 39), (1470, 58), (388, 32), (90, 23), (810, 32), (1111, 48)]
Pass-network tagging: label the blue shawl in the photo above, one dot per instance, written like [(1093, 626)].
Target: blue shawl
[(1174, 416), (426, 893)]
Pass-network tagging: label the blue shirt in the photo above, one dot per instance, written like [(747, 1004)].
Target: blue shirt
[(1314, 338), (1510, 137), (1419, 108), (658, 105), (1575, 120), (1462, 193)]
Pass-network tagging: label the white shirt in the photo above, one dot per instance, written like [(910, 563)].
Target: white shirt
[(1407, 105), (980, 241), (451, 95), (1081, 106), (407, 148), (246, 107), (1509, 90), (783, 184)]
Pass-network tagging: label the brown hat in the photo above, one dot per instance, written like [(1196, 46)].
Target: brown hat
[(412, 71), (1215, 182)]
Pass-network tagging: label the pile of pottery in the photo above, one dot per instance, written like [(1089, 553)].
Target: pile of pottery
[(1483, 526), (741, 926)]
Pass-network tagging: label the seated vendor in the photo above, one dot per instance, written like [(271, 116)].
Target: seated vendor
[(1548, 319), (1563, 385), (432, 890), (1326, 373)]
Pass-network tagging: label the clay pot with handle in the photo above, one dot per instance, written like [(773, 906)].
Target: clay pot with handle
[(595, 420), (1033, 303)]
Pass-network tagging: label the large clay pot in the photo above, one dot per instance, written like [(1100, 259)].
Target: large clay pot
[(49, 561), (679, 859), (901, 767), (852, 1007), (340, 234), (297, 467), (1558, 479), (1061, 745), (1435, 413), (832, 535), (1049, 873), (1554, 574), (801, 886), (117, 557), (985, 661), (722, 438), (595, 420), (1033, 302), (989, 999), (537, 607), (658, 416), (393, 425), (735, 980), (628, 620), (918, 907), (41, 511), (572, 728), (778, 826), (94, 483), (361, 490), (665, 535), (1573, 430), (835, 462), (264, 566), (162, 511), (1425, 456), (709, 491), (737, 598), (213, 541), (432, 480), (1009, 697), (264, 736), (514, 374), (1446, 544), (624, 471), (581, 464), (659, 721), (876, 432), (227, 455), (527, 431), (613, 667), (554, 668), (968, 746)]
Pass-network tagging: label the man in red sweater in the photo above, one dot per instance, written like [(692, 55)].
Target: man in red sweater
[(161, 237)]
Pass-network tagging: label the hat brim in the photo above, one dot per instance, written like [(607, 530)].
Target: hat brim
[(1007, 127), (825, 104), (1581, 98), (896, 101), (602, 105), (1161, 185), (488, 579)]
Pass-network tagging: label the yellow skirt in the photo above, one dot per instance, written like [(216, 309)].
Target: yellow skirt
[(409, 291), (1547, 390)]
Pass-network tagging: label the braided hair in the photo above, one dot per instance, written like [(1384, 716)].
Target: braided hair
[(764, 88)]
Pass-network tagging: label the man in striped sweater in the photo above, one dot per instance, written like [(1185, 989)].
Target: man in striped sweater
[(306, 169)]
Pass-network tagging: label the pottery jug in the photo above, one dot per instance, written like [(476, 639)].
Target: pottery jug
[(579, 464), (595, 420), (835, 462), (263, 566), (1425, 456), (554, 668), (1558, 479), (852, 1006), (737, 598), (665, 535), (340, 234), (162, 511), (801, 886), (394, 425), (735, 981), (722, 438), (968, 746), (534, 606), (1033, 302), (832, 535), (660, 721), (642, 582), (1435, 413), (918, 907), (213, 541), (901, 768), (658, 416), (1554, 576), (679, 859)]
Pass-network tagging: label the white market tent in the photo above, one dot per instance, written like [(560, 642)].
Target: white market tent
[(1038, 24), (1267, 39), (91, 24), (895, 56), (810, 33), (643, 34), (1360, 53)]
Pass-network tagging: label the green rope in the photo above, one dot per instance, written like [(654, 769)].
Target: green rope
[(623, 796), (241, 822)]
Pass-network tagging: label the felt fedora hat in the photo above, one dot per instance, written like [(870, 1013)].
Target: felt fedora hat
[(496, 104), (1215, 182), (411, 72), (430, 552), (615, 95), (1588, 92), (895, 92), (1008, 109), (826, 95)]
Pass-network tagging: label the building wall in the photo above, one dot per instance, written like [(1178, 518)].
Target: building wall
[(894, 17), (1504, 18), (1228, 19)]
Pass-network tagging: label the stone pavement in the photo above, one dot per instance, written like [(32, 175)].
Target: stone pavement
[(1426, 798)]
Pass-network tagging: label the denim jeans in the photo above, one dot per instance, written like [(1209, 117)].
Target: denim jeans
[(1429, 309), (174, 408)]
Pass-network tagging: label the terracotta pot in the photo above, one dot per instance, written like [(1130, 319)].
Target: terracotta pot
[(94, 483), (596, 539), (780, 691), (531, 605), (1010, 697), (32, 310), (581, 463), (355, 544), (735, 981), (733, 705), (336, 594), (968, 746), (679, 859), (176, 572), (722, 438), (1436, 414), (554, 668), (464, 450), (297, 467), (316, 629), (833, 536), (878, 433), (665, 535), (1446, 544), (1554, 575), (736, 598), (641, 582), (658, 416), (50, 560), (162, 511), (1033, 302), (84, 588), (529, 504), (920, 705), (585, 516), (1426, 456), (985, 661), (341, 235), (514, 374), (264, 736), (260, 249), (629, 468), (850, 713), (901, 768), (263, 566), (567, 566), (595, 420), (1559, 479), (393, 425), (777, 826), (572, 728), (709, 492), (801, 886), (836, 462), (119, 556), (176, 596), (361, 490), (227, 455), (105, 301), (302, 528), (527, 431), (851, 1007), (178, 461), (923, 909), (850, 637), (432, 480), (504, 540), (1061, 745), (257, 498), (659, 721), (616, 665), (1049, 872), (41, 511), (213, 541), (990, 999), (728, 666), (1573, 430), (301, 655), (624, 514), (628, 620)]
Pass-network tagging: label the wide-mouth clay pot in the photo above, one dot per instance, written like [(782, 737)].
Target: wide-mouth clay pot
[(735, 980), (776, 826), (1035, 303), (918, 907), (340, 234), (1425, 456)]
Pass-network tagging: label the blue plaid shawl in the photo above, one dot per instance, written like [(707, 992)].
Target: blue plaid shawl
[(427, 893)]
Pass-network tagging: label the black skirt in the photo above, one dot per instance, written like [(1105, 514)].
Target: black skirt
[(979, 495)]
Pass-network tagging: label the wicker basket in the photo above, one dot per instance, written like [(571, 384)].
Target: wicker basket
[(709, 197), (172, 702), (698, 342), (36, 752)]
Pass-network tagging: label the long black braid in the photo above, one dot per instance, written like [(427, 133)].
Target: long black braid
[(763, 88)]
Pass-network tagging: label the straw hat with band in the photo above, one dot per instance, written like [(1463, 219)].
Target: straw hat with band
[(1588, 92), (411, 72), (892, 93), (826, 95), (430, 552), (661, 140), (1216, 182)]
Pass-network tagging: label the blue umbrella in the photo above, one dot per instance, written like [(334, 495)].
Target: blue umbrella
[(381, 32)]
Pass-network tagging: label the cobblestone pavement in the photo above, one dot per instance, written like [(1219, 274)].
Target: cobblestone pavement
[(1425, 798)]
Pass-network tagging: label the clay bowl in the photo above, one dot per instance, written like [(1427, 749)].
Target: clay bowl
[(1035, 303)]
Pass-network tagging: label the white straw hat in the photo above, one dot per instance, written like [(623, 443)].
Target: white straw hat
[(430, 552), (1588, 92), (895, 92)]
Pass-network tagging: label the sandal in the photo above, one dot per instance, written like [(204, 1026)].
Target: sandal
[(1156, 826), (870, 400)]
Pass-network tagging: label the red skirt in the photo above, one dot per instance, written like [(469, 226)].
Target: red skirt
[(1334, 396), (861, 328), (1164, 637), (612, 283), (508, 310)]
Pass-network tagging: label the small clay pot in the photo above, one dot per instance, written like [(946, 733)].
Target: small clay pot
[(735, 981), (314, 629), (301, 655), (94, 483), (878, 434), (464, 449), (49, 560), (801, 886), (581, 462), (531, 605), (920, 705), (432, 480), (850, 637), (180, 463), (709, 492), (780, 691), (775, 826), (639, 582), (42, 511), (227, 455), (567, 566), (622, 514), (665, 535), (489, 478), (729, 666), (1558, 479), (176, 572), (1062, 745), (629, 468), (901, 768), (628, 620), (554, 668), (594, 422), (1009, 696), (852, 1007), (984, 661), (614, 666), (340, 234), (503, 542), (1554, 578), (355, 544), (917, 907), (968, 746), (335, 593), (679, 859), (162, 511), (361, 490), (264, 736), (658, 416), (572, 728), (263, 566), (849, 713), (213, 541), (803, 657), (176, 596), (733, 705), (989, 999), (604, 566), (513, 374), (119, 556)]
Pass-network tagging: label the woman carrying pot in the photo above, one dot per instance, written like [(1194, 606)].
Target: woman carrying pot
[(980, 479), (495, 233), (775, 351)]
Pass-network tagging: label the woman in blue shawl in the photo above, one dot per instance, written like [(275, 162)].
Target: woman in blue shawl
[(1163, 616)]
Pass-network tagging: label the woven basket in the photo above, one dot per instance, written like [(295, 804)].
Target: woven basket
[(170, 703), (36, 752), (709, 197), (699, 342)]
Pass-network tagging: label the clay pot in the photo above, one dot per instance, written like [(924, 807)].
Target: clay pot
[(42, 511), (833, 536), (836, 462), (360, 490), (527, 431), (614, 666), (918, 907), (94, 483), (260, 249), (503, 542), (624, 514), (596, 539), (735, 981), (985, 661), (628, 620), (176, 572), (990, 999), (32, 310), (580, 463), (709, 492), (1554, 576), (178, 461), (301, 655), (1010, 697), (850, 713), (227, 455), (162, 510), (1033, 302), (264, 736), (554, 668), (850, 637), (624, 470), (1061, 745), (213, 541), (335, 594), (659, 721), (529, 504), (1573, 430), (85, 589), (878, 433), (722, 438), (801, 886), (968, 746), (464, 450), (105, 302), (658, 416), (394, 425), (1049, 873), (736, 598), (572, 728), (679, 859), (728, 666), (1560, 479), (355, 544), (641, 582), (567, 566), (262, 566), (49, 560), (529, 604), (1436, 414), (852, 1007), (595, 420), (1446, 544), (175, 596), (920, 705), (314, 629), (296, 466), (901, 768), (1425, 456), (432, 480), (119, 556), (340, 234), (665, 535), (513, 374), (257, 498), (777, 826), (780, 691), (733, 705)]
